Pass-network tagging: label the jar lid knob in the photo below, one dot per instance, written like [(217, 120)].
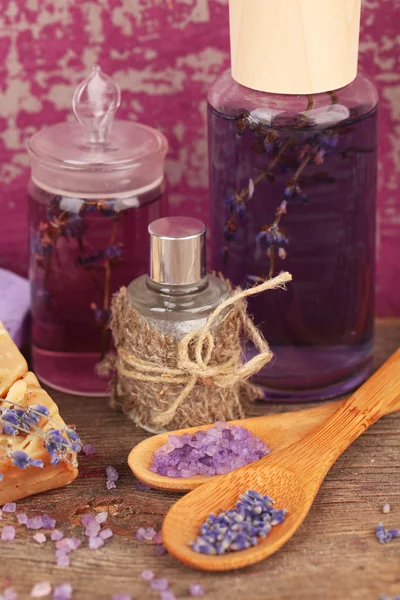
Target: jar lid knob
[(95, 102)]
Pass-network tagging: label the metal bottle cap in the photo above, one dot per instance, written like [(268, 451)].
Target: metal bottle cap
[(177, 251)]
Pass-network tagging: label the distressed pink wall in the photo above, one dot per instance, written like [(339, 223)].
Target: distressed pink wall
[(164, 54)]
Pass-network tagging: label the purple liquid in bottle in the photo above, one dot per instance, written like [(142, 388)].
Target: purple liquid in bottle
[(79, 258), (96, 185), (290, 192)]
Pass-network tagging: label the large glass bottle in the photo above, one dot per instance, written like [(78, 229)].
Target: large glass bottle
[(95, 187), (293, 163)]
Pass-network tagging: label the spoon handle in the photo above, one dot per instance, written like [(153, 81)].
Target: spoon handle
[(379, 396)]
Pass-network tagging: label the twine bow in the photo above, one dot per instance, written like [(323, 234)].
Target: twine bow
[(195, 351)]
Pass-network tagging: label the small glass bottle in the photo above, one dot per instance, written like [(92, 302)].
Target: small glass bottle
[(96, 185), (177, 296), (293, 166)]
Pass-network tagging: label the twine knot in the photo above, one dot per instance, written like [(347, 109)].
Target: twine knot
[(209, 357)]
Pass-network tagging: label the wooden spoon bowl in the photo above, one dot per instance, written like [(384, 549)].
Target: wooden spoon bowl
[(184, 519), (277, 431)]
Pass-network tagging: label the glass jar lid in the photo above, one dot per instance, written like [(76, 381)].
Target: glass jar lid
[(97, 156)]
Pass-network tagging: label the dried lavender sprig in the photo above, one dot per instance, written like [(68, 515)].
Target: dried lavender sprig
[(35, 411), (384, 536), (239, 528), (44, 435)]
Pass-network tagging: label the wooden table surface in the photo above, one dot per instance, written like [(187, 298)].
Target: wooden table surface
[(334, 555)]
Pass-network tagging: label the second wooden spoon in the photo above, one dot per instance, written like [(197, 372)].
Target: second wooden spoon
[(291, 476)]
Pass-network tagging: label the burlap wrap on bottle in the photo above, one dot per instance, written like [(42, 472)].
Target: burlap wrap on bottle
[(164, 384)]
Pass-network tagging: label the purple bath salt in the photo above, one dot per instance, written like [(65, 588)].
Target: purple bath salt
[(10, 507), (159, 585), (101, 517), (88, 449), (48, 522), (95, 543), (56, 535), (34, 523), (212, 451), (105, 534), (22, 518), (196, 590), (112, 477), (41, 589), (63, 592), (8, 533)]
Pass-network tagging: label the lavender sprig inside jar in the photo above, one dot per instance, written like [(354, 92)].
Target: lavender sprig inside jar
[(213, 451)]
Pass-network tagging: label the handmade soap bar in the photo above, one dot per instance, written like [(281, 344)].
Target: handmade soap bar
[(20, 387), (12, 363)]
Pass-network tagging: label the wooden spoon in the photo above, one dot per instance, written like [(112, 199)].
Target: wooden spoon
[(291, 476), (277, 431)]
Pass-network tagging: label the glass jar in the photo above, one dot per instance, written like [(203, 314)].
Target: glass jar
[(95, 187), (293, 187)]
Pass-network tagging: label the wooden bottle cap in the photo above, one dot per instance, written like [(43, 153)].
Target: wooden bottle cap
[(294, 46)]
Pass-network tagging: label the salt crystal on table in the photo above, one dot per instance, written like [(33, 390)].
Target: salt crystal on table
[(106, 533), (62, 559), (147, 575), (112, 473), (158, 538), (167, 595), (160, 549), (34, 523), (22, 518), (63, 592), (40, 538), (88, 449), (149, 534), (48, 522), (102, 517), (8, 533), (95, 543), (40, 590), (196, 590), (121, 597), (142, 487), (92, 529), (386, 508), (10, 594), (56, 535), (160, 585), (10, 507), (86, 519)]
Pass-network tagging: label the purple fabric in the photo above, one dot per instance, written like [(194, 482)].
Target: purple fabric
[(164, 55)]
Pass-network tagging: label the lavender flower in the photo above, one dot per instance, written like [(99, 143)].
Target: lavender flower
[(384, 536), (20, 459), (61, 444), (238, 528)]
